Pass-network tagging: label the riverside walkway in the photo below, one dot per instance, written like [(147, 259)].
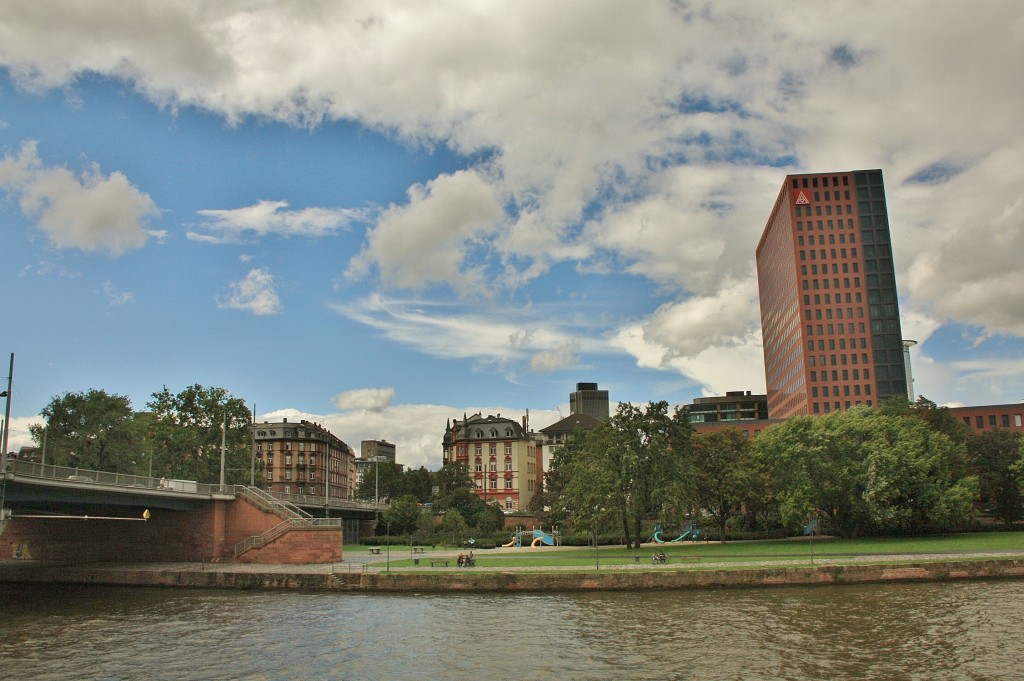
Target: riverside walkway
[(366, 563)]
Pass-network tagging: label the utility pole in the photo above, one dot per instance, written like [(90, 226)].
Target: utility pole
[(223, 448), (7, 417)]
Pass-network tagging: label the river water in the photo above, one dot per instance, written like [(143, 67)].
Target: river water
[(963, 630)]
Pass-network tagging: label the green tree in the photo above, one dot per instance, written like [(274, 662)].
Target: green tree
[(992, 455), (624, 467), (455, 491), (867, 468), (454, 526), (187, 434), (489, 519), (402, 514), (381, 480), (723, 474), (818, 467), (91, 430), (914, 474)]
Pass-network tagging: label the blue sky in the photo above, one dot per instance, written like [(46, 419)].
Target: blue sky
[(382, 215)]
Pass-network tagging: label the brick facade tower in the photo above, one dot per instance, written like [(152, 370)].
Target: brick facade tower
[(829, 315)]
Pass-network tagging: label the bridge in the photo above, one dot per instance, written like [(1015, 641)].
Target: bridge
[(60, 513)]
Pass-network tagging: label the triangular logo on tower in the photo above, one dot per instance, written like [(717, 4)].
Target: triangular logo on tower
[(802, 197)]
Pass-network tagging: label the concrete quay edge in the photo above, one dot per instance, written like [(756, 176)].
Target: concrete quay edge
[(329, 578)]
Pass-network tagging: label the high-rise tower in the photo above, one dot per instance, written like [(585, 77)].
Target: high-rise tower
[(590, 401), (829, 316)]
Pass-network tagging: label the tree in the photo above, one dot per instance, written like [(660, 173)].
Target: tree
[(722, 473), (818, 465), (187, 434), (402, 514), (490, 518), (454, 525), (867, 468), (455, 491), (992, 455), (382, 480), (623, 467), (91, 430)]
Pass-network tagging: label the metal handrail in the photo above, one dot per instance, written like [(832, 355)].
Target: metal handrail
[(31, 469), (279, 529), (269, 502)]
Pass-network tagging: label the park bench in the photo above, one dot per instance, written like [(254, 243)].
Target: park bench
[(438, 561), (375, 550)]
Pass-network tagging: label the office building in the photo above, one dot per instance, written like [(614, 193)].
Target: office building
[(829, 314), (590, 401)]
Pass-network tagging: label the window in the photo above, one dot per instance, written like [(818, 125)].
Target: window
[(508, 502), (508, 464), (494, 484), (979, 422), (508, 483)]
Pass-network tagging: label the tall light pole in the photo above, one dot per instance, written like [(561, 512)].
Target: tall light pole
[(909, 375), (7, 417), (223, 448)]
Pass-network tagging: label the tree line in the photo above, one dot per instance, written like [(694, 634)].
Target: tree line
[(177, 436), (900, 467)]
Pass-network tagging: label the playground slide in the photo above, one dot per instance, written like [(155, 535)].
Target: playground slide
[(657, 537), (511, 543), (542, 537)]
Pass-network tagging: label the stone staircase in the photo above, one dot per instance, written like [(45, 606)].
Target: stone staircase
[(292, 516)]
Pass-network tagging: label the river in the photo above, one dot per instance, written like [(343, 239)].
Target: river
[(962, 630)]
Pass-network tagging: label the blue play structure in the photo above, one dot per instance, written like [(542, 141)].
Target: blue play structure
[(692, 533), (536, 538)]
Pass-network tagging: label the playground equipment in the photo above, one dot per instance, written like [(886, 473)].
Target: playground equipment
[(692, 533), (536, 538)]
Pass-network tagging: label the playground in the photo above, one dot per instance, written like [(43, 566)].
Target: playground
[(534, 537)]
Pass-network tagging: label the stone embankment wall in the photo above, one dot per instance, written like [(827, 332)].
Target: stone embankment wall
[(494, 581)]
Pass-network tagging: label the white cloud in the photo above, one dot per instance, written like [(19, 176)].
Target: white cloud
[(447, 330), (116, 297), (270, 217), (92, 212), (564, 356), (646, 137), (369, 399), (256, 293), (431, 239), (19, 435)]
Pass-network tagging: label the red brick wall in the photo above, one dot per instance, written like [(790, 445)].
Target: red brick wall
[(208, 531), (299, 546)]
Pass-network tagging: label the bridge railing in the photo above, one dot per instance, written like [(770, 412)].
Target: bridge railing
[(311, 501), (31, 469), (297, 502)]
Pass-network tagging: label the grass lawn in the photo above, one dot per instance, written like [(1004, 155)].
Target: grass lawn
[(773, 550)]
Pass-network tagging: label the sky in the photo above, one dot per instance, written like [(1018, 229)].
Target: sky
[(379, 216)]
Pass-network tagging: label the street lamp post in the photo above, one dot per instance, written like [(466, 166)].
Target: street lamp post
[(7, 417)]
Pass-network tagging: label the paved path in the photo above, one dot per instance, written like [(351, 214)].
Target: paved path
[(360, 561)]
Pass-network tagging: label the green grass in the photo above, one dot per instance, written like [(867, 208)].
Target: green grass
[(798, 550)]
